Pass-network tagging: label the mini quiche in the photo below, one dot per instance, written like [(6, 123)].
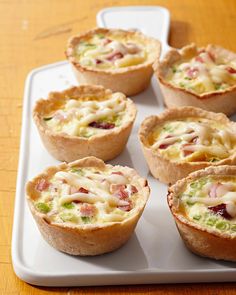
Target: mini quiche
[(200, 77), (182, 140), (117, 59), (86, 207), (84, 121), (204, 208)]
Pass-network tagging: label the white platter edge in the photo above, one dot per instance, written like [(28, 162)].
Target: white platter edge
[(105, 278)]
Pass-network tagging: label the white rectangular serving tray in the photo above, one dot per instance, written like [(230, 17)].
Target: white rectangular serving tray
[(155, 253)]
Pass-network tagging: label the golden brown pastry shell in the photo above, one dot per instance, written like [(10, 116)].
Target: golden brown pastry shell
[(128, 80), (164, 169), (202, 241), (87, 239), (174, 96), (69, 148)]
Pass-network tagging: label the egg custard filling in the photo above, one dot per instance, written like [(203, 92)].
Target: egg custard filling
[(85, 117), (110, 50), (193, 140), (210, 202), (203, 73), (87, 196)]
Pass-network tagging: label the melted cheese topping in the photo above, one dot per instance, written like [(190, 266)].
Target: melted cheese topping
[(88, 195), (193, 140), (84, 118), (210, 202), (203, 73), (110, 51)]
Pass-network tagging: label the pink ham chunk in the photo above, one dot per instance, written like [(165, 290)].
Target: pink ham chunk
[(199, 59), (87, 210), (218, 190), (231, 70), (133, 189), (187, 149), (220, 210), (102, 125), (119, 191), (42, 185), (127, 207), (117, 172), (192, 73), (74, 190), (114, 56), (60, 116)]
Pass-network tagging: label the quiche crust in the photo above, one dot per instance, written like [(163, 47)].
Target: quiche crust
[(174, 96), (165, 169), (129, 80), (202, 241), (86, 239), (65, 147)]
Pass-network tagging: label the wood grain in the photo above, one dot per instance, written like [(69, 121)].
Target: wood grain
[(34, 33)]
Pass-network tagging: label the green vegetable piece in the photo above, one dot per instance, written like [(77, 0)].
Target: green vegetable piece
[(187, 78), (90, 46), (69, 217), (101, 36), (86, 219), (197, 217), (211, 221), (168, 128), (233, 227), (77, 171), (47, 119), (222, 225), (190, 202), (197, 185), (69, 205), (174, 70), (181, 84), (194, 185), (43, 207), (217, 86), (213, 160)]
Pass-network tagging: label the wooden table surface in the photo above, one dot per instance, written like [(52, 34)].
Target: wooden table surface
[(34, 33)]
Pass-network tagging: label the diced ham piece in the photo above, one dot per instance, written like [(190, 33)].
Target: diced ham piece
[(60, 116), (166, 145), (42, 185), (87, 210), (231, 70), (199, 59), (106, 41), (127, 207), (74, 190), (202, 51), (218, 190), (117, 172), (98, 61), (102, 125), (114, 56), (119, 191), (133, 189), (116, 187), (211, 55), (163, 146), (192, 73), (83, 190), (194, 139), (213, 190), (187, 149), (220, 210)]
